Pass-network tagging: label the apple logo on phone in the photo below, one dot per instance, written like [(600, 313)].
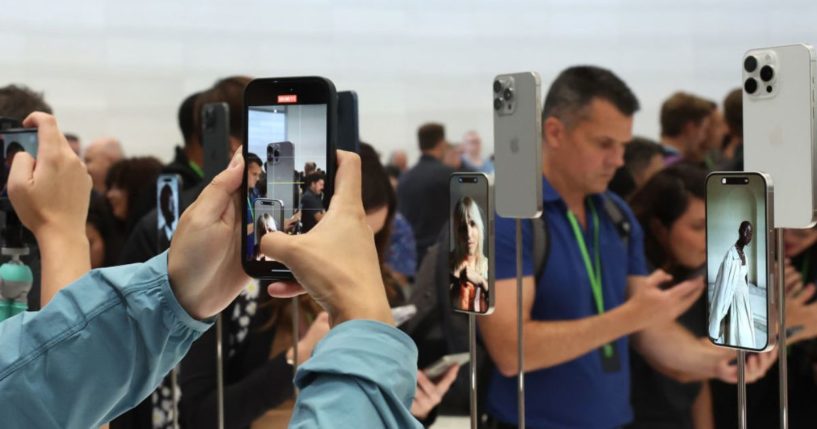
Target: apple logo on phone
[(515, 145)]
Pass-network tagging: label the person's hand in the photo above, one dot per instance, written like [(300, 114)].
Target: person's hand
[(653, 306), (757, 365), (50, 195), (800, 313), (319, 328), (336, 262), (204, 261), (429, 394), (794, 280)]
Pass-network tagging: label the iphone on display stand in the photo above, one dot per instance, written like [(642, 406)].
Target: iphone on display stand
[(778, 127), (741, 303), (291, 125), (518, 145), (167, 208), (471, 244), (215, 138)]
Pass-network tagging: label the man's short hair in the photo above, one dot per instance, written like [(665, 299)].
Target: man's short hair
[(18, 101), (254, 159), (229, 90), (682, 108), (576, 87), (430, 135), (313, 178), (640, 152), (185, 115), (71, 136), (733, 111)]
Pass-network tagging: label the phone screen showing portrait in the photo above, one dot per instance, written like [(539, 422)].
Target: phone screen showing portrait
[(13, 142), (738, 289), (470, 246), (167, 208)]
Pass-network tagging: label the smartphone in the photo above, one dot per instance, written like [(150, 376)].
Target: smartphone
[(348, 129), (167, 208), (518, 145), (292, 126), (778, 128), (268, 216), (741, 311), (13, 141), (471, 244), (438, 368), (215, 136)]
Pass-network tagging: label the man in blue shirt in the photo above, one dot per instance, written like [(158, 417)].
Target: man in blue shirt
[(594, 291), (106, 340)]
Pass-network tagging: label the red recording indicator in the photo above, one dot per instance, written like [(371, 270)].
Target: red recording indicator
[(288, 98)]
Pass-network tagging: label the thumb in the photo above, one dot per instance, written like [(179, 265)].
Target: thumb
[(657, 277), (21, 173), (279, 246), (216, 197)]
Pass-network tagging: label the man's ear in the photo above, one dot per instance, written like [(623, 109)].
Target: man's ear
[(553, 132)]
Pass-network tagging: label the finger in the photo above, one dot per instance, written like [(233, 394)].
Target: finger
[(285, 289), (21, 173), (805, 294), (657, 277), (425, 383), (50, 139), (445, 383), (752, 368), (280, 246), (217, 196), (687, 289), (729, 372), (347, 180)]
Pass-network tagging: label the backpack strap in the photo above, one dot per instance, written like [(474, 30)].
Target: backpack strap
[(619, 219)]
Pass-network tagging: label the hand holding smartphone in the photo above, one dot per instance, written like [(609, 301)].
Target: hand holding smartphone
[(12, 142), (438, 368)]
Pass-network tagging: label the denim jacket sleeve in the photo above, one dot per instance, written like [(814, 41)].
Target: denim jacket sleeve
[(362, 375), (96, 350)]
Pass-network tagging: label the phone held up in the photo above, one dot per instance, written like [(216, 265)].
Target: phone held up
[(289, 163), (471, 244), (167, 213), (12, 142), (740, 289)]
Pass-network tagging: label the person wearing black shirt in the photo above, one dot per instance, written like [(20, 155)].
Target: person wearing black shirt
[(312, 201), (422, 193)]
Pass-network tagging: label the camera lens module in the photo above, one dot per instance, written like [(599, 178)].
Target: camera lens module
[(497, 86), (497, 103), (507, 94), (767, 73), (750, 64), (750, 85)]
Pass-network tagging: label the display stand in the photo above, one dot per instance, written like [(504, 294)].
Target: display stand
[(296, 333), (472, 343), (782, 359), (741, 389), (219, 373), (520, 345)]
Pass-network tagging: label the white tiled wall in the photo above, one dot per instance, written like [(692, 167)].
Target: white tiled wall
[(121, 68)]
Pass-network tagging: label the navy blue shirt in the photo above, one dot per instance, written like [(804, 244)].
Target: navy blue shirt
[(578, 393)]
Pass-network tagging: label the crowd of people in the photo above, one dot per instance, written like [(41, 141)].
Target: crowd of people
[(621, 344)]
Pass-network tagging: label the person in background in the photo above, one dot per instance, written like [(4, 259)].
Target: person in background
[(472, 154), (422, 194), (394, 175), (73, 141), (188, 159), (100, 230), (642, 159), (100, 155), (732, 150), (453, 157), (312, 208), (399, 159), (712, 148), (670, 207), (131, 185), (685, 120)]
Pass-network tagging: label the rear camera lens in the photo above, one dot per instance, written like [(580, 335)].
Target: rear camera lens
[(750, 85), (769, 89), (497, 103), (507, 94), (750, 64), (766, 73), (497, 86)]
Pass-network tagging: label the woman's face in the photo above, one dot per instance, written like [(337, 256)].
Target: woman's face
[(472, 235), (797, 241), (686, 238), (376, 218), (118, 198)]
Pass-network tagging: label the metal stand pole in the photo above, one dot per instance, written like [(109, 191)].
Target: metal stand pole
[(296, 333), (520, 346), (174, 387), (741, 389), (220, 373), (472, 341), (782, 358)]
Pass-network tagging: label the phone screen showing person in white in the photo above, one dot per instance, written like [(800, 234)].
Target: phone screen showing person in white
[(469, 266), (731, 321), (168, 217)]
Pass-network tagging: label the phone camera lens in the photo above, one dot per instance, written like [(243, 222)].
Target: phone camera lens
[(750, 64), (769, 89), (497, 103), (460, 179), (723, 181), (497, 86), (507, 94), (766, 73), (750, 85)]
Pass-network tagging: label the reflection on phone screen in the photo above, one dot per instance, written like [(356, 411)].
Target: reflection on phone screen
[(13, 142)]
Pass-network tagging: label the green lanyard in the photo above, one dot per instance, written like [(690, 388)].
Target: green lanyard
[(594, 270), (196, 169)]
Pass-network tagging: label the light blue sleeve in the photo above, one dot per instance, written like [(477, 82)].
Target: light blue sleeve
[(96, 350), (362, 375)]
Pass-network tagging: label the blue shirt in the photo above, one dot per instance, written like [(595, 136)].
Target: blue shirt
[(402, 247), (106, 341), (579, 393)]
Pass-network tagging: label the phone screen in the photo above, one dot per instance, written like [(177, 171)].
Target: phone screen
[(167, 204), (470, 248), (737, 259), (289, 142), (13, 142)]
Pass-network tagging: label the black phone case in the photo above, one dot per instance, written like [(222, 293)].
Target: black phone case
[(215, 136)]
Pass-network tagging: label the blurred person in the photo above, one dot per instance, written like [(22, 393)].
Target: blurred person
[(468, 263), (73, 141), (643, 158), (581, 316), (422, 193), (399, 159), (103, 241), (131, 185), (100, 155), (671, 208), (472, 154), (402, 253), (712, 149), (685, 120), (732, 150), (394, 175), (188, 161), (312, 208), (19, 101), (310, 167), (137, 321), (453, 157)]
